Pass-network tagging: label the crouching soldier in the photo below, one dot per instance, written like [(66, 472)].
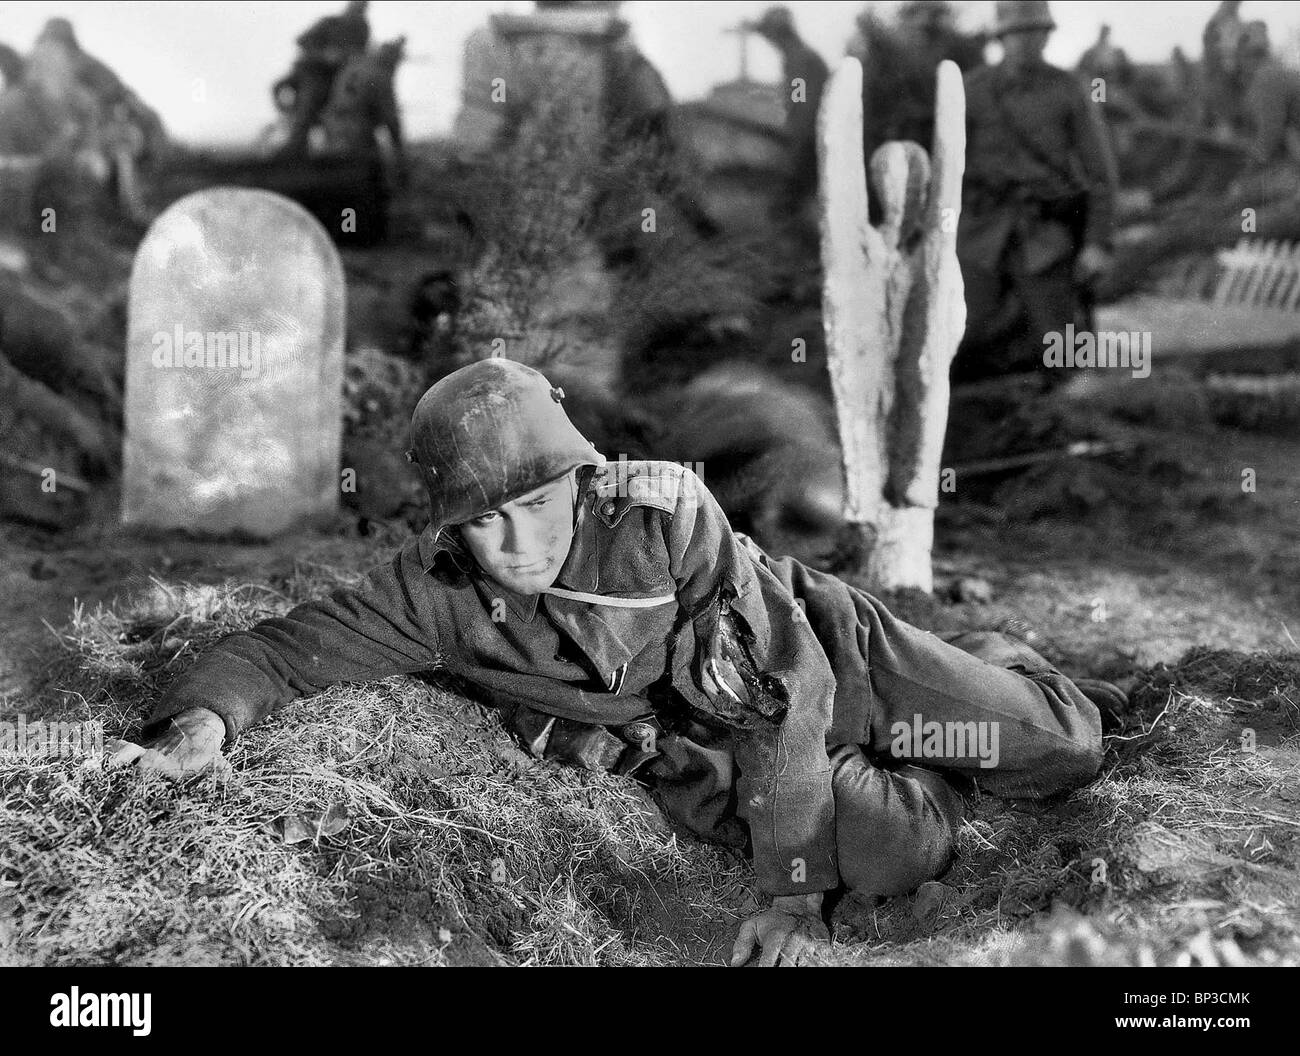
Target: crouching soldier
[(619, 623)]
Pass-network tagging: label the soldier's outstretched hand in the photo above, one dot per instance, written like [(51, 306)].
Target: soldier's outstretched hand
[(190, 745), (786, 934)]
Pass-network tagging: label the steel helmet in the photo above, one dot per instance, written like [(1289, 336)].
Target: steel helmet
[(488, 433), (1017, 16), (776, 22)]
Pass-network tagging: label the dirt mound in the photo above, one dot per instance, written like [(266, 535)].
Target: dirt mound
[(396, 823), (386, 823), (1259, 692), (1270, 680)]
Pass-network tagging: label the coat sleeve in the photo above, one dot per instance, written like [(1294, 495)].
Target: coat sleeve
[(385, 626), (1100, 171), (757, 667)]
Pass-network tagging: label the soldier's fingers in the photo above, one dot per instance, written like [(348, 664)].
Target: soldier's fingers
[(773, 942), (161, 763), (745, 943), (791, 951), (124, 753), (800, 949), (177, 765)]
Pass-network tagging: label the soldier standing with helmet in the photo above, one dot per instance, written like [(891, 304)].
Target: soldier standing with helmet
[(804, 74), (324, 49), (1038, 200)]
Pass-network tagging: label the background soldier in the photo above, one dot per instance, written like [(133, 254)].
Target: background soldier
[(804, 75), (363, 102), (325, 49), (1220, 42), (1038, 202), (1104, 59), (1266, 152), (1271, 103), (1270, 183)]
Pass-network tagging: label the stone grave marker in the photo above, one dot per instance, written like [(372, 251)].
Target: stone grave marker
[(233, 410)]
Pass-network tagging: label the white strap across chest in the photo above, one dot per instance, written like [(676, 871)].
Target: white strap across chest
[(617, 603)]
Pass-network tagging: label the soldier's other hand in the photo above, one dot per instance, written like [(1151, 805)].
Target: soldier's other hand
[(786, 934), (1093, 263), (191, 744)]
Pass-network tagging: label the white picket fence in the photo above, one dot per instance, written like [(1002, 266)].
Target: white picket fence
[(1244, 297), (1260, 275)]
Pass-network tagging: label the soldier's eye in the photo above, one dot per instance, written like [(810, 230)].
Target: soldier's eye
[(539, 502), (486, 518)]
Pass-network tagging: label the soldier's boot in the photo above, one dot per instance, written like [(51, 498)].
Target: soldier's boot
[(1108, 697)]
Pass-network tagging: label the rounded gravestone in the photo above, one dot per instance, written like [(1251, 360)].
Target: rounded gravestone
[(234, 368)]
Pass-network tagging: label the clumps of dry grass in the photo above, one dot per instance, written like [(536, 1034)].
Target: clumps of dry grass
[(392, 822), (396, 823), (1265, 403)]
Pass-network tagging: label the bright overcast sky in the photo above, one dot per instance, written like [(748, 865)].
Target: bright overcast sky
[(238, 49)]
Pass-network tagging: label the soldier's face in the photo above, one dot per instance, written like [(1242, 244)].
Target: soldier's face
[(1025, 47), (522, 544)]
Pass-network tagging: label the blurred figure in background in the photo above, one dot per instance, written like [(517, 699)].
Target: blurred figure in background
[(324, 50), (1271, 102), (91, 132), (1219, 59), (899, 59), (1271, 117), (1104, 59), (1038, 201), (804, 74), (363, 103)]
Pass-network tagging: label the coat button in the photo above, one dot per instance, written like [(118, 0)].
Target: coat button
[(608, 508), (639, 733)]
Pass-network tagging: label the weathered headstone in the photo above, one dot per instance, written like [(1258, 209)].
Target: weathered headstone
[(234, 369), (524, 59)]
